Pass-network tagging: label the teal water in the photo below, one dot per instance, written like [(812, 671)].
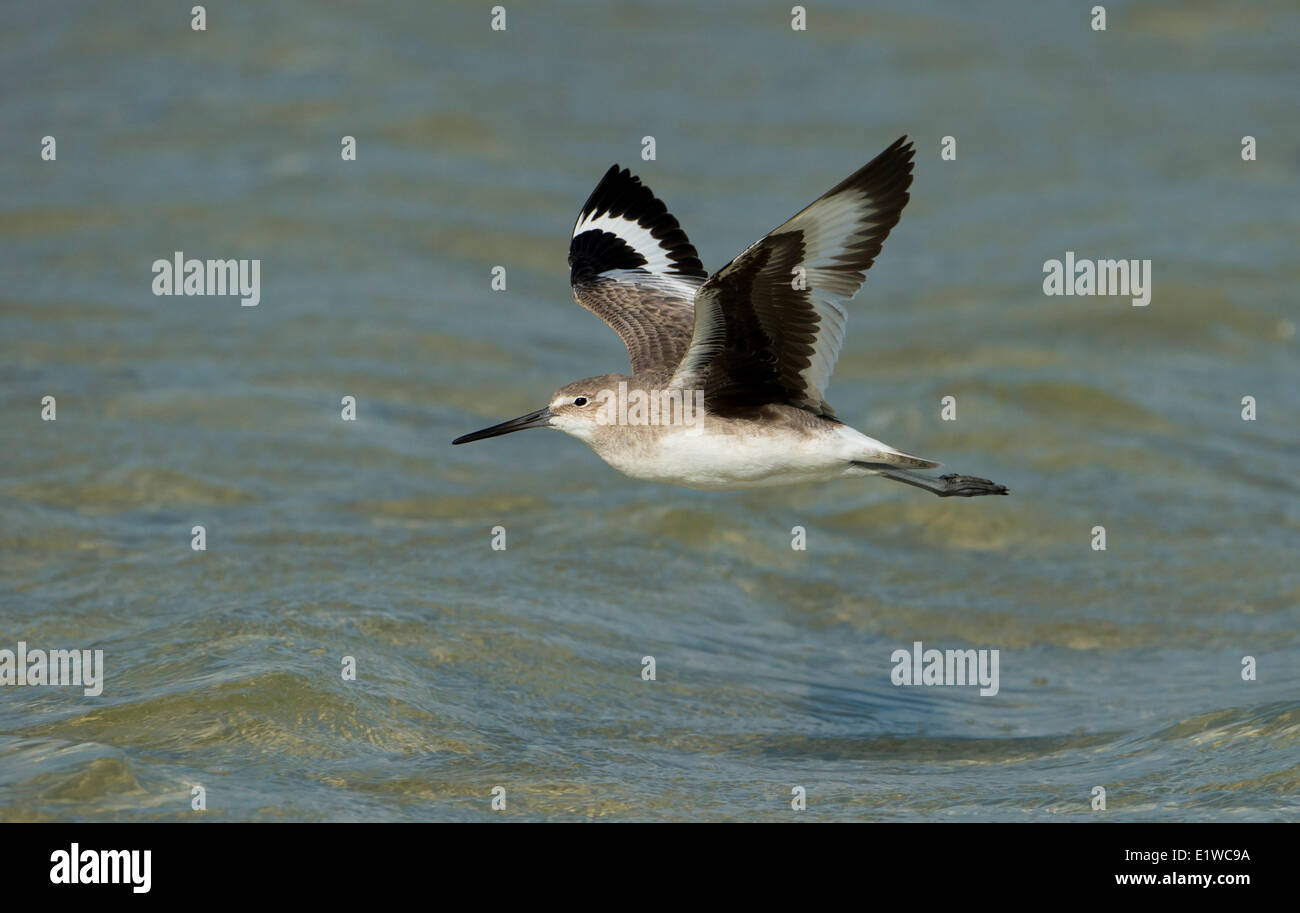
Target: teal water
[(522, 668)]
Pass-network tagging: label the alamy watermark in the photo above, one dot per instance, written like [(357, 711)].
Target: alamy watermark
[(669, 406), (954, 668), (60, 668), (179, 276), (77, 866), (1128, 278)]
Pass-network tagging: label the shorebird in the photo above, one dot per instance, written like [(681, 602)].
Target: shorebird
[(729, 371)]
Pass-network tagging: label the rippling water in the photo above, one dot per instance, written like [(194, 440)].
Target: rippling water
[(522, 668)]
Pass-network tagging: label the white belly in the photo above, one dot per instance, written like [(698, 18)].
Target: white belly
[(720, 461)]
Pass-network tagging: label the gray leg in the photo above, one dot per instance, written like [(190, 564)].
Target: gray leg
[(948, 486)]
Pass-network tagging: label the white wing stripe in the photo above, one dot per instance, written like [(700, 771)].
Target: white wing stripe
[(632, 234)]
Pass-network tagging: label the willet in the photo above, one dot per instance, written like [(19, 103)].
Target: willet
[(729, 370)]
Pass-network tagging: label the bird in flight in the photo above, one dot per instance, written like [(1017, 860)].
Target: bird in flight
[(729, 371)]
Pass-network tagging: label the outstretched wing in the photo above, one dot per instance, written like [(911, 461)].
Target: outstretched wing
[(769, 325), (634, 268)]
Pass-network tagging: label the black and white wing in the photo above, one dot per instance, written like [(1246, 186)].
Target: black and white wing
[(769, 325), (634, 268)]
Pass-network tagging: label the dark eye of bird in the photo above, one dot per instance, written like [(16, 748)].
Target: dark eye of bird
[(580, 401)]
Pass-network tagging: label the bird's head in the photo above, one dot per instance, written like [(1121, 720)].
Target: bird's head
[(575, 409)]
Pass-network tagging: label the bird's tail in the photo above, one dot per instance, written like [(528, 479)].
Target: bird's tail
[(888, 456)]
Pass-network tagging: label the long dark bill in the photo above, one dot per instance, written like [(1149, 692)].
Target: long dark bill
[(539, 419)]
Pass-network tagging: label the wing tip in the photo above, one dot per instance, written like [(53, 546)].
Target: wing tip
[(621, 195)]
